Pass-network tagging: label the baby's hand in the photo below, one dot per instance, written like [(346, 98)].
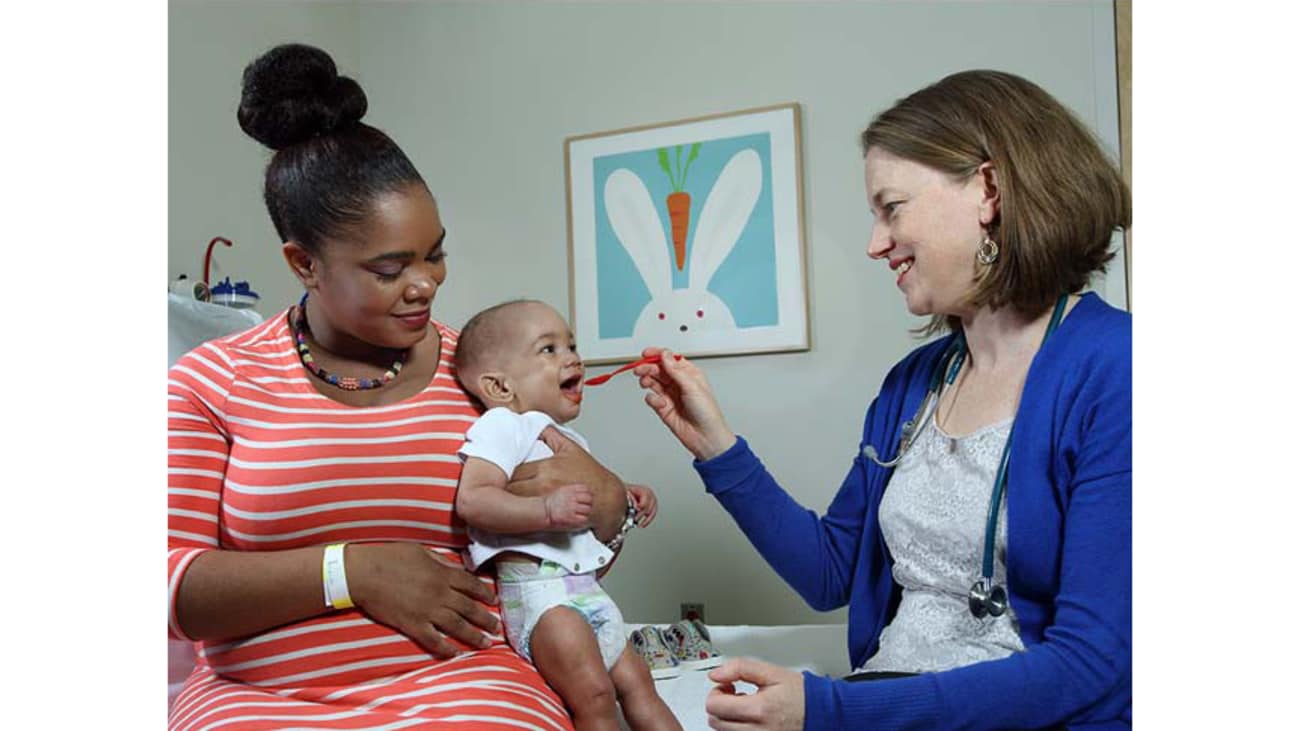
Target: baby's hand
[(647, 505), (569, 507)]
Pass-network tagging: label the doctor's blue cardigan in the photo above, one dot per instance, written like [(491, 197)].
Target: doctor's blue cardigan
[(1069, 546)]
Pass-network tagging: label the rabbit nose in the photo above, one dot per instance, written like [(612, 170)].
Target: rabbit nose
[(683, 328)]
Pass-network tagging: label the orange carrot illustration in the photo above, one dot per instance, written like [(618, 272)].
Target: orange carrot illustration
[(679, 201), (679, 214)]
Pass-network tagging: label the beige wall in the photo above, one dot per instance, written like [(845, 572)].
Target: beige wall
[(214, 169), (482, 95)]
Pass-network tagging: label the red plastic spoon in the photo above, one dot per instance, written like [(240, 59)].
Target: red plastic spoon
[(597, 380)]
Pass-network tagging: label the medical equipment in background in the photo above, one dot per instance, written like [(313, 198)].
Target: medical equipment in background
[(187, 288), (239, 295)]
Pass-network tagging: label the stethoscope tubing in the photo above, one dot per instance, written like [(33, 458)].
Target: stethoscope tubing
[(944, 373)]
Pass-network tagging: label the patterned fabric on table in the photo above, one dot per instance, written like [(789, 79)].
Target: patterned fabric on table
[(259, 460)]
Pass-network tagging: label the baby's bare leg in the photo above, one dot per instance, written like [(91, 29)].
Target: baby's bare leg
[(564, 650), (642, 706)]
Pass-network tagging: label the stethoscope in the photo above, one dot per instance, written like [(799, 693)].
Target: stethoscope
[(986, 598)]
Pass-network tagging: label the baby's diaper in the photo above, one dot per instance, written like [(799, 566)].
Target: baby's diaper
[(528, 590)]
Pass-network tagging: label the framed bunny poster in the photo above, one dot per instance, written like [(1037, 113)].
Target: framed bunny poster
[(688, 235)]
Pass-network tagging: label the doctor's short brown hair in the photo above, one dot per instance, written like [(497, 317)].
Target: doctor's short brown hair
[(1061, 196)]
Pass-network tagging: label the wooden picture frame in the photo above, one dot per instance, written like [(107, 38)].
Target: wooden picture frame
[(688, 235)]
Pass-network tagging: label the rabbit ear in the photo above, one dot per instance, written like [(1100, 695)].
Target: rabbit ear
[(724, 215), (638, 228)]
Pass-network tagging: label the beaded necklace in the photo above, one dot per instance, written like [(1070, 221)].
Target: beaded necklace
[(298, 326)]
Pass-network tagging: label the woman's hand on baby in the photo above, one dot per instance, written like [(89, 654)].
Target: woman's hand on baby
[(777, 704), (570, 464), (647, 505), (573, 464), (420, 594), (569, 507), (682, 398)]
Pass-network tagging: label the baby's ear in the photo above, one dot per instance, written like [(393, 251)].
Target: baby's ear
[(495, 388)]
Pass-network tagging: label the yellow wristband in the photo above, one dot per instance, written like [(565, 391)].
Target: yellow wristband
[(334, 577)]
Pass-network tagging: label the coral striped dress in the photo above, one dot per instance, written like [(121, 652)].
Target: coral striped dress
[(260, 461)]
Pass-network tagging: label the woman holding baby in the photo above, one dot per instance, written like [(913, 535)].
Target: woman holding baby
[(313, 551)]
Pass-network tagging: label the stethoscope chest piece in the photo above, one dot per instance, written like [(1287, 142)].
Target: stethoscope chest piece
[(986, 601)]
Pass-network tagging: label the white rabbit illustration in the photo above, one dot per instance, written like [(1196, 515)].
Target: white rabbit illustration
[(671, 313)]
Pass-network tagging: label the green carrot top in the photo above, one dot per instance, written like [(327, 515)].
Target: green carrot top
[(677, 173)]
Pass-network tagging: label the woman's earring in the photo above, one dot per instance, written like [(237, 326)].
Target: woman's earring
[(988, 251)]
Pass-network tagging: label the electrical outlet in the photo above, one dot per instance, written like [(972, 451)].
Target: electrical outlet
[(693, 610)]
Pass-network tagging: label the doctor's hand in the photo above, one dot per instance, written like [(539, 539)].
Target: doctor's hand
[(777, 705), (680, 395)]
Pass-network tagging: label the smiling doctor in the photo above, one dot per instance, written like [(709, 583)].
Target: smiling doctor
[(982, 538)]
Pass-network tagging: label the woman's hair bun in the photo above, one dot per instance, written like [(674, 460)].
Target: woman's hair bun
[(293, 92)]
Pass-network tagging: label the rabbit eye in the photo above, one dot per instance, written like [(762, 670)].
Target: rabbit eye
[(661, 316), (699, 314)]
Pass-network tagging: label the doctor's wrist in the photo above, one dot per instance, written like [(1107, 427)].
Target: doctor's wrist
[(716, 444)]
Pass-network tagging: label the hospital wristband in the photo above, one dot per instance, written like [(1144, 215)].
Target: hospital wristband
[(334, 577)]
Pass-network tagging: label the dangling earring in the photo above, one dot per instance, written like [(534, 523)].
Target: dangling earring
[(988, 251)]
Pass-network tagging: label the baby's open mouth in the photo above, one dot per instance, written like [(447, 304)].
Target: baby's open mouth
[(572, 387)]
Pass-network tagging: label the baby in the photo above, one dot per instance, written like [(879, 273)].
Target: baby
[(520, 360)]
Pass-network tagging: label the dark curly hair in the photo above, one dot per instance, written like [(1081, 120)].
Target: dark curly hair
[(328, 167)]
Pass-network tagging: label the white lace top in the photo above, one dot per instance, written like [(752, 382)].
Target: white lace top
[(933, 517)]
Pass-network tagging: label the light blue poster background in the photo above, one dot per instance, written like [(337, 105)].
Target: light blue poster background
[(746, 280)]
